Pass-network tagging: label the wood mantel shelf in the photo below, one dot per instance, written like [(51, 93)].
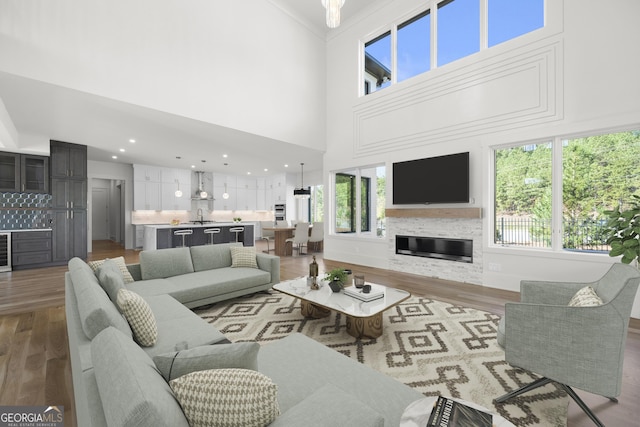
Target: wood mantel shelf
[(466, 213)]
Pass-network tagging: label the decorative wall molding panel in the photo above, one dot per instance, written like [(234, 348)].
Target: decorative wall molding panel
[(524, 89)]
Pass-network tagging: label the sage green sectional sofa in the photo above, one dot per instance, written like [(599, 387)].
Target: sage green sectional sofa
[(118, 383)]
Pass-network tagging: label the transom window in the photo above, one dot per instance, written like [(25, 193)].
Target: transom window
[(446, 31)]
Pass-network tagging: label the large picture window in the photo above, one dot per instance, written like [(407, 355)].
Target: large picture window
[(359, 201), (596, 173)]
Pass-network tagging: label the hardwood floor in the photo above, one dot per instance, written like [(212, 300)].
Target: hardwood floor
[(34, 361)]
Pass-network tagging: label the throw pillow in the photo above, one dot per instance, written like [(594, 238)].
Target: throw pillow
[(243, 256), (121, 264), (585, 297), (227, 397), (241, 355), (110, 278), (140, 317)]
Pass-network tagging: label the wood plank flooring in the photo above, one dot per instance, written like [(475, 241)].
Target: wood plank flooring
[(34, 361)]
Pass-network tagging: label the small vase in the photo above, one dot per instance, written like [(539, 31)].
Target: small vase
[(335, 286)]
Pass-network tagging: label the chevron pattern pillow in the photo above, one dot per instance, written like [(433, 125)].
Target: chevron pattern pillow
[(243, 256), (140, 317), (227, 397), (585, 297)]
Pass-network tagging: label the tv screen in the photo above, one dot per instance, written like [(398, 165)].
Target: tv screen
[(443, 179)]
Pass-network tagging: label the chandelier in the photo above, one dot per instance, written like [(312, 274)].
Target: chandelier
[(333, 12), (302, 193)]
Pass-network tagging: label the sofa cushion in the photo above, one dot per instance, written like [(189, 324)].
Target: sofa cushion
[(165, 263), (209, 257), (96, 311), (241, 355), (178, 327), (139, 316), (585, 297), (345, 410), (132, 391), (227, 397), (110, 278), (243, 257), (119, 261)]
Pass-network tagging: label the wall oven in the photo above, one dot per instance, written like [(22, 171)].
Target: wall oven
[(5, 251)]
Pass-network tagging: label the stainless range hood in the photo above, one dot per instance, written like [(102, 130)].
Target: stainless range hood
[(201, 193)]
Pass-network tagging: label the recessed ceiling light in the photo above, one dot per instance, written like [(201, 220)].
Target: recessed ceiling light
[(193, 166), (122, 150), (114, 157), (225, 156), (248, 173), (133, 141), (266, 170), (286, 166)]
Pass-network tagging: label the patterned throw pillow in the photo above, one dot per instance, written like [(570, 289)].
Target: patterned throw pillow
[(227, 397), (243, 256), (126, 276), (140, 317), (585, 297)]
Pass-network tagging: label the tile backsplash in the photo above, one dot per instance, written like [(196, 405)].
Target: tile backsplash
[(19, 211)]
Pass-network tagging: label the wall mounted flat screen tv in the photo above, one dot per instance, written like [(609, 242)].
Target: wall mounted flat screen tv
[(442, 179)]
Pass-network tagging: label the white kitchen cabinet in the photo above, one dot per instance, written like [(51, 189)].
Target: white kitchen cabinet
[(147, 173), (146, 196)]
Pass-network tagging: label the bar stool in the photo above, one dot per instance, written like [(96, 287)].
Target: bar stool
[(236, 230), (183, 233), (211, 232)]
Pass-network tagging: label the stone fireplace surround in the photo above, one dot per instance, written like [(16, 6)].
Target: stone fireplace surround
[(458, 223)]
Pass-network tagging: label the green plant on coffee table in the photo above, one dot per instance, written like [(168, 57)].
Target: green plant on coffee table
[(624, 232), (336, 275)]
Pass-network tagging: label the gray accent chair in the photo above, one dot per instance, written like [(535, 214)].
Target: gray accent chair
[(581, 347)]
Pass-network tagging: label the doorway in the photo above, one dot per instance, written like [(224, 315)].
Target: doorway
[(100, 213)]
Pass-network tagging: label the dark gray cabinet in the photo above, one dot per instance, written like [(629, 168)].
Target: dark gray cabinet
[(24, 173), (69, 201), (68, 160), (30, 249)]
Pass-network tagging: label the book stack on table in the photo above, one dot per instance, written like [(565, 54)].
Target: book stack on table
[(375, 293)]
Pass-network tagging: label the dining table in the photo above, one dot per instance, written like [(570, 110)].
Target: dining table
[(281, 234)]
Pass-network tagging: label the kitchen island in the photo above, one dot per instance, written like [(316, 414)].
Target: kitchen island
[(161, 236)]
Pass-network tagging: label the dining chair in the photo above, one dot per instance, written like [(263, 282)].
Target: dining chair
[(267, 235), (300, 236), (317, 236)]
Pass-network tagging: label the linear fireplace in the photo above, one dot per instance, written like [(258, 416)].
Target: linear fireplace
[(460, 250)]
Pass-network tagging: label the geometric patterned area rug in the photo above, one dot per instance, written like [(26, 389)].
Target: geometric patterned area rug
[(434, 347)]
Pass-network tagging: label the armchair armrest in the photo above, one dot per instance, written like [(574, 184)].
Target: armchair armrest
[(581, 346), (552, 293)]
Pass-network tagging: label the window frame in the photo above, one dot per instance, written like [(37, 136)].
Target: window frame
[(431, 8), (557, 204), (357, 210)]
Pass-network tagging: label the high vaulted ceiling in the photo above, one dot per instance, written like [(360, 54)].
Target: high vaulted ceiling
[(41, 111)]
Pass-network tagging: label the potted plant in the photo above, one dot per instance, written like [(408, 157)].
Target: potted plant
[(624, 232), (336, 278)]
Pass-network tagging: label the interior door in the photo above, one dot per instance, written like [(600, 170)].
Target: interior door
[(100, 214)]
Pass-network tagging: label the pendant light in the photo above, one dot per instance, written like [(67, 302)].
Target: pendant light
[(302, 193), (178, 193), (225, 195), (333, 12)]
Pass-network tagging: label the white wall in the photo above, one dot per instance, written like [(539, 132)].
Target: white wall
[(242, 64), (576, 75)]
